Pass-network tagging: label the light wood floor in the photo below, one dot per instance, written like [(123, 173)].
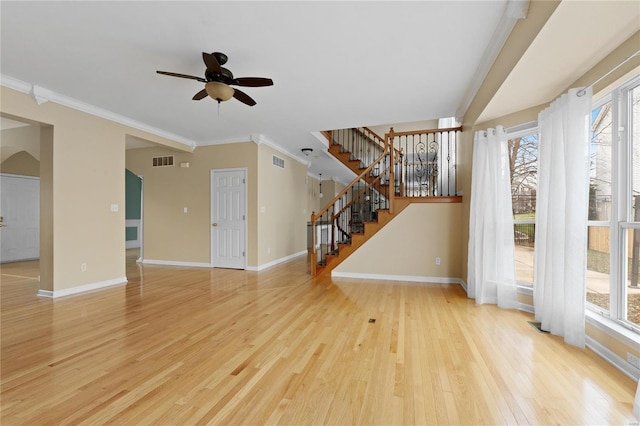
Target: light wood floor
[(192, 345)]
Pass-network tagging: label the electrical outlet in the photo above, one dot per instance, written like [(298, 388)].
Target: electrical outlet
[(633, 360), (268, 250), (437, 261), (83, 267)]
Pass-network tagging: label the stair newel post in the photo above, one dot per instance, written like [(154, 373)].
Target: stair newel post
[(392, 178), (313, 256)]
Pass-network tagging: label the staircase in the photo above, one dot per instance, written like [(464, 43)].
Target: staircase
[(392, 172)]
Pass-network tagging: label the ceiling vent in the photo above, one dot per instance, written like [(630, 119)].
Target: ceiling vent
[(163, 161), (278, 162)]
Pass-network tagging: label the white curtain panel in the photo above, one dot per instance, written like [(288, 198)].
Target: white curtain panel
[(491, 269), (561, 217)]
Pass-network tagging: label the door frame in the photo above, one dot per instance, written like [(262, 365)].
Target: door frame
[(141, 229), (244, 170), (32, 178), (140, 222)]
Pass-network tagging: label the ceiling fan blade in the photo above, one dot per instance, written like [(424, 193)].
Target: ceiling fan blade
[(211, 62), (200, 95), (252, 81), (243, 97), (173, 74)]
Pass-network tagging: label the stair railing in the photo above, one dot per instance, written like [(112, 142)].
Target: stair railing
[(361, 143), (364, 146), (356, 204), (429, 162)]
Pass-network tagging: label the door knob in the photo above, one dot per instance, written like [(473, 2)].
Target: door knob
[(214, 224)]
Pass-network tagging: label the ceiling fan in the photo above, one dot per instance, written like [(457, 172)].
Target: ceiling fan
[(218, 80)]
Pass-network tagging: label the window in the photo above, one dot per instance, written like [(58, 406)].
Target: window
[(523, 168), (613, 260), (599, 219)]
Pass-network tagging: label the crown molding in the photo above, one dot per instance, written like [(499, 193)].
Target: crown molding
[(514, 10), (259, 138), (225, 141), (41, 95)]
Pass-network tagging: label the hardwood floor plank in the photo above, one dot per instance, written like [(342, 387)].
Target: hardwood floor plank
[(180, 345)]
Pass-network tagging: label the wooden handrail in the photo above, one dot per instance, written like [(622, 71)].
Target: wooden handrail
[(397, 151), (314, 216), (327, 134), (395, 156), (373, 133), (426, 132), (325, 209), (373, 182)]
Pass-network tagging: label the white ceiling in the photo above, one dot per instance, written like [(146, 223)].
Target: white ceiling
[(334, 64)]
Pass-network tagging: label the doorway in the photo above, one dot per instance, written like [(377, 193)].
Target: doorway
[(19, 218), (134, 193), (228, 218)]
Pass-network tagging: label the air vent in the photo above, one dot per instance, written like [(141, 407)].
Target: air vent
[(279, 162), (164, 161)]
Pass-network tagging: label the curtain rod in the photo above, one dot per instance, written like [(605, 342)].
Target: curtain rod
[(582, 92)]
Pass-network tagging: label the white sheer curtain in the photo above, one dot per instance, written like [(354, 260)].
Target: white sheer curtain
[(491, 269), (561, 217)]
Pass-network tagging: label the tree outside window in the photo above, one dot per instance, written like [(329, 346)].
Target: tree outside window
[(523, 168)]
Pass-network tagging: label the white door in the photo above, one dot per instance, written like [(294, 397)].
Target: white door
[(20, 212), (228, 218)]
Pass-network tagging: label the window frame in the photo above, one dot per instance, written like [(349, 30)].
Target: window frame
[(621, 194)]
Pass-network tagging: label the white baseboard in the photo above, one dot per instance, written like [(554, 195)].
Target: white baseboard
[(524, 307), (276, 262), (409, 278), (176, 263), (613, 358), (82, 288)]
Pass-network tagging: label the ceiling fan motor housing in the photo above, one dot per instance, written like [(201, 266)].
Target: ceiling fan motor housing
[(225, 77), (220, 57)]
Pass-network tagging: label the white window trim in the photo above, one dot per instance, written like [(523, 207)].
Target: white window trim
[(621, 185)]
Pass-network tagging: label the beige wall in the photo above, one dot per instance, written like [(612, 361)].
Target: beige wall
[(46, 208), (619, 346), (282, 207), (409, 244), (21, 163), (276, 202), (25, 138), (86, 177), (169, 233), (330, 189), (313, 196)]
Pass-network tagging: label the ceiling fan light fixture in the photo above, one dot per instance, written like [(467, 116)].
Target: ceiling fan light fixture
[(219, 91)]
